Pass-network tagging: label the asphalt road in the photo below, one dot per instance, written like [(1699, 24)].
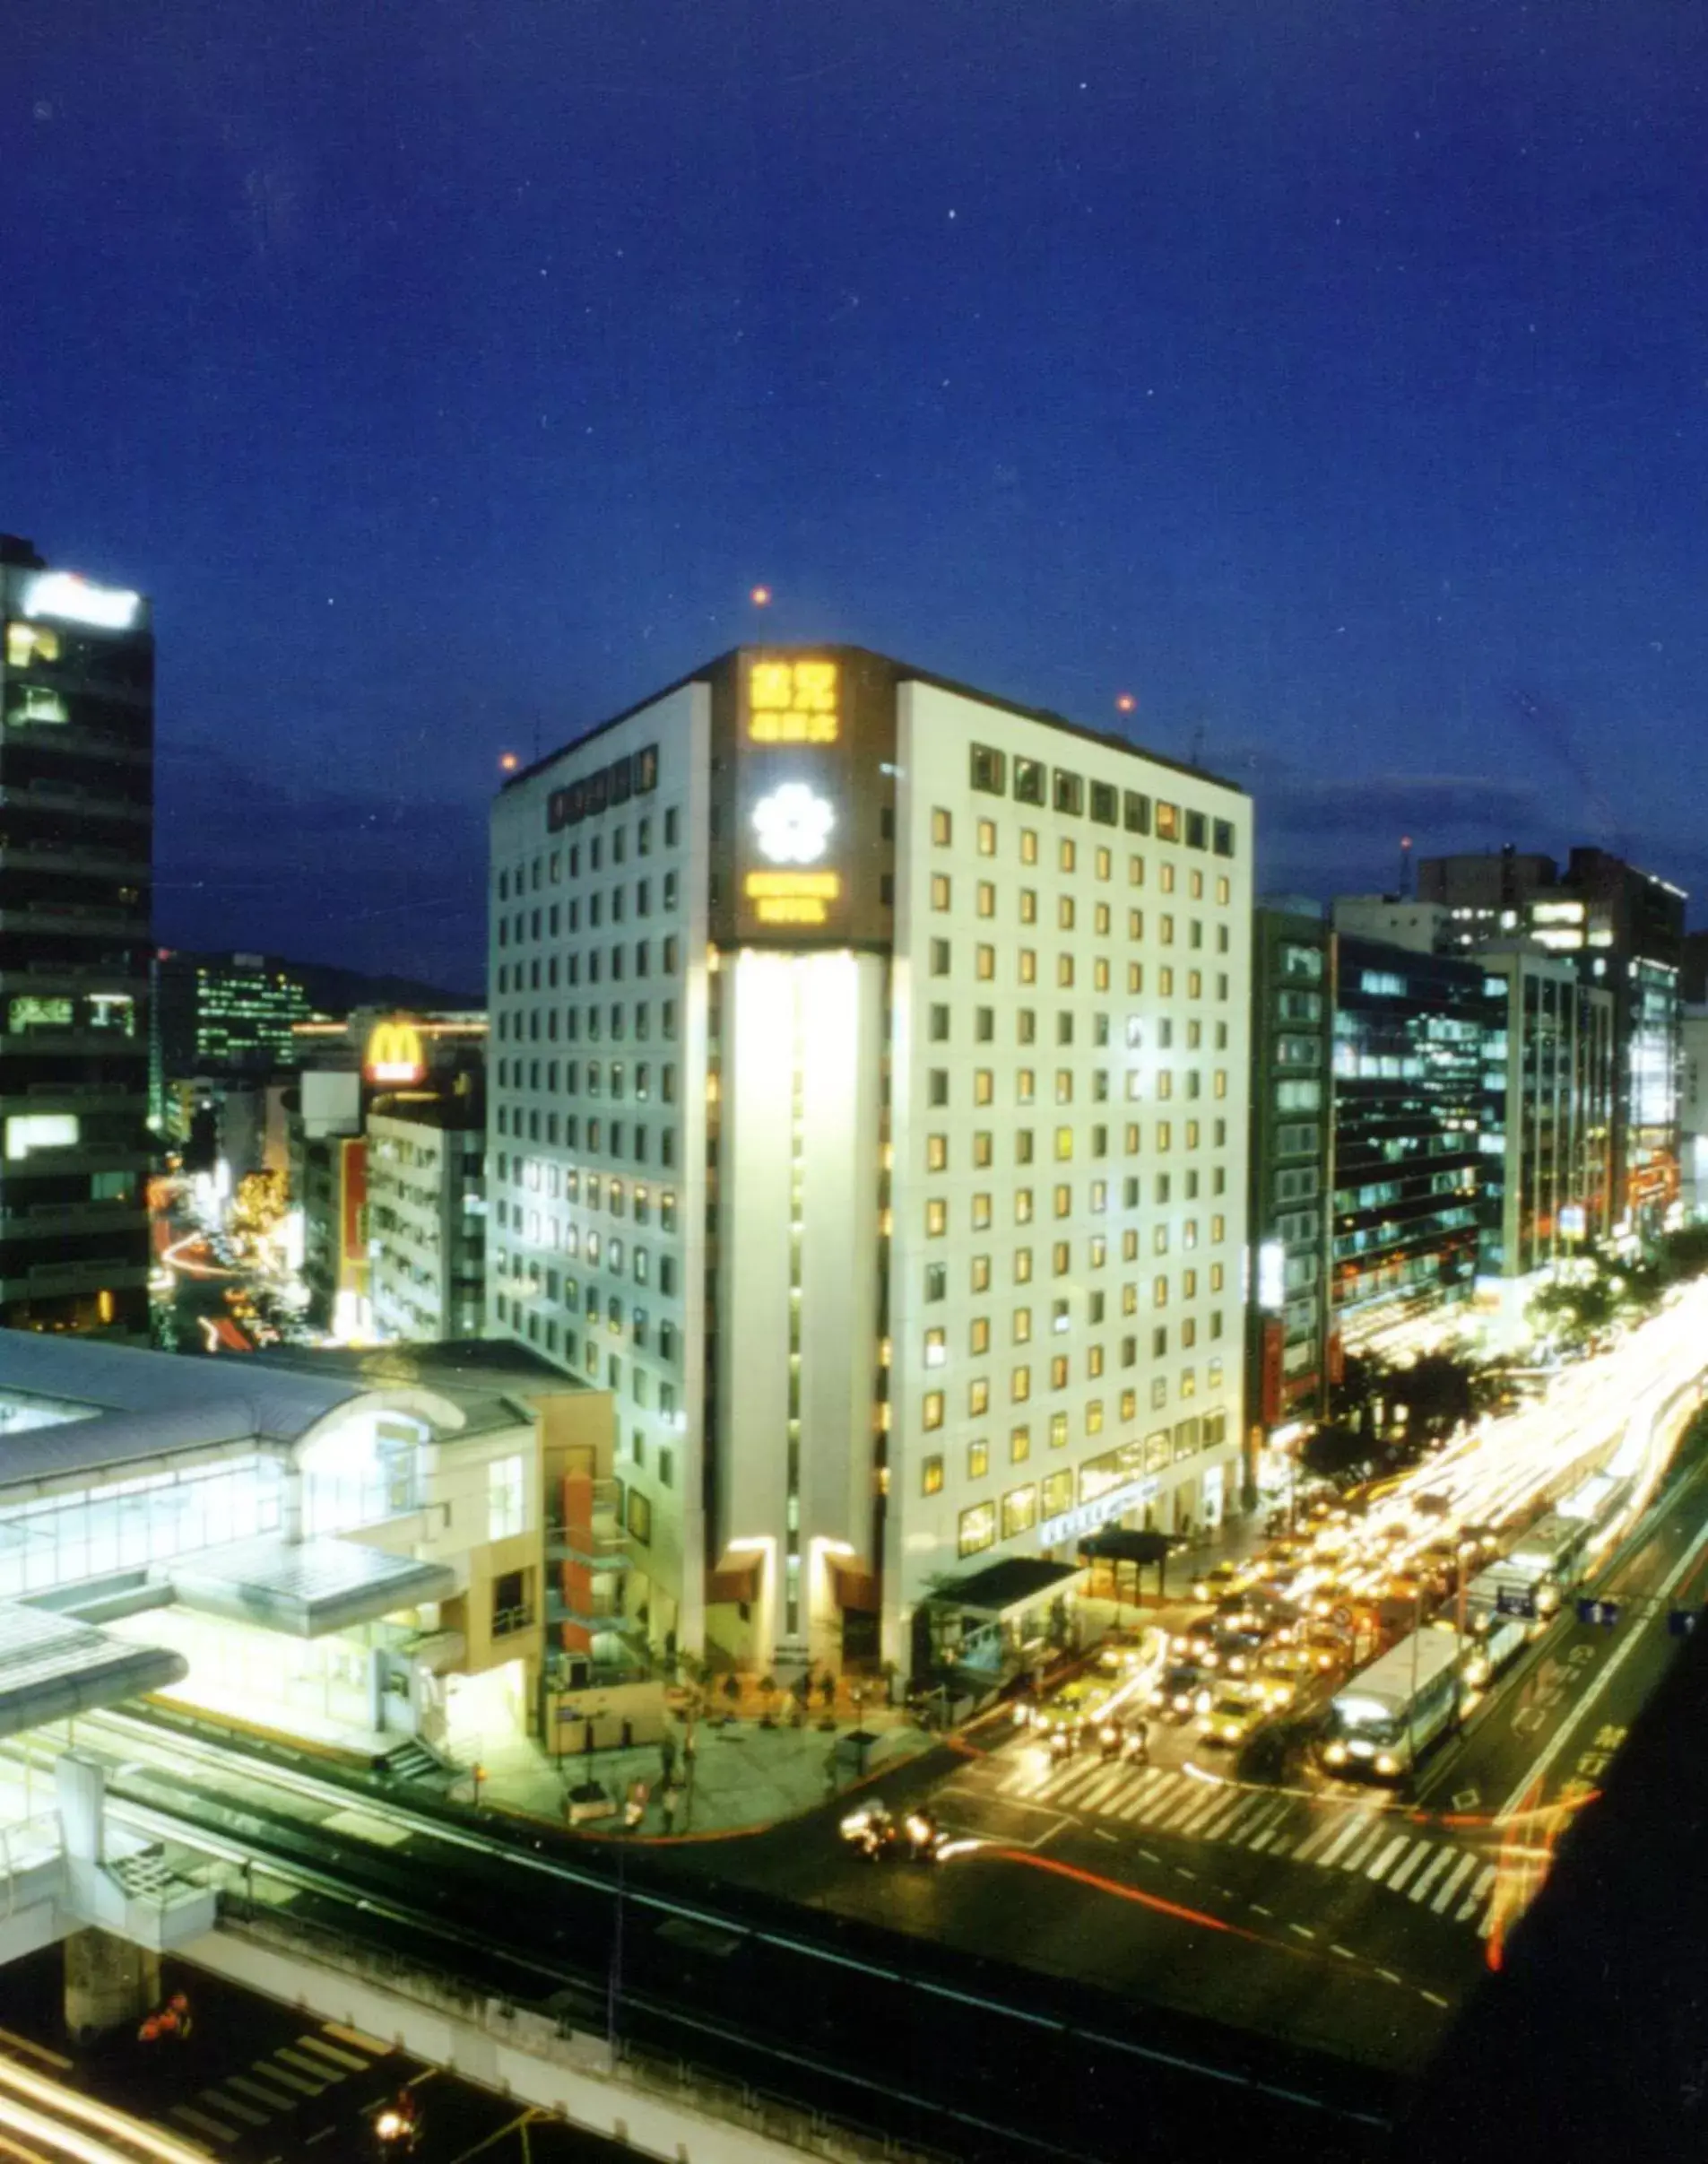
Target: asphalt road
[(260, 2083), (1349, 1920)]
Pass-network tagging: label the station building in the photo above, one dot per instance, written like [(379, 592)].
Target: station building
[(868, 1095), (347, 1548)]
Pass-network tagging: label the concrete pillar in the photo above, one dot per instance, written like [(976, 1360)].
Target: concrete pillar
[(80, 1784), (110, 1983)]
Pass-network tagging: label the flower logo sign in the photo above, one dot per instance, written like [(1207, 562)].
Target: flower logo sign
[(792, 824)]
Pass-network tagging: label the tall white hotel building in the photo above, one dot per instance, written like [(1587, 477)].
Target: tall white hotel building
[(868, 1114)]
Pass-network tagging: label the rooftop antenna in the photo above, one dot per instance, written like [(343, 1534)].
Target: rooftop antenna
[(1195, 750), (1404, 867)]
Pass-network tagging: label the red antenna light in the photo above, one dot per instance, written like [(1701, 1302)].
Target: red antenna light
[(509, 762), (1126, 702), (760, 598)]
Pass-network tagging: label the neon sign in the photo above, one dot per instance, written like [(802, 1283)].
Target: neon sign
[(793, 702), (792, 824), (394, 1053), (792, 897), (64, 594)]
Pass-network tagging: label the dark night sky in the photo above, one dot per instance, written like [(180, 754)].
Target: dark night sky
[(1332, 377)]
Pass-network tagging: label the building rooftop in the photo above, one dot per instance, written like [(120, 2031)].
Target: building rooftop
[(904, 672)]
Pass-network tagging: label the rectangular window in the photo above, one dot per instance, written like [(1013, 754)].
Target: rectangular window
[(939, 891), (1029, 782), (936, 1217), (1135, 815), (1069, 792), (1105, 805), (942, 827), (930, 1411), (977, 1529), (931, 1475), (978, 1460), (1223, 843), (989, 771), (1019, 1511), (987, 838), (1167, 822), (505, 1498), (1197, 830)]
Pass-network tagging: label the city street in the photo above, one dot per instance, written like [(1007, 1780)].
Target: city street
[(1348, 1916), (259, 2083)]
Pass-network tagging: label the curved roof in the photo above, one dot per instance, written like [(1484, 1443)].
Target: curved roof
[(141, 1405)]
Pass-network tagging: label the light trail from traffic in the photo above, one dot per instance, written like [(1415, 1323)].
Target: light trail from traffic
[(45, 2110)]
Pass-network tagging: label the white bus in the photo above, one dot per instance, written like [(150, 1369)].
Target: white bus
[(1492, 1638), (1383, 1720), (1550, 1558)]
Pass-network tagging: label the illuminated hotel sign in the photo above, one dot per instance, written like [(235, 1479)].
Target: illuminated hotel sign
[(395, 1055), (72, 600), (803, 746), (1088, 1517), (793, 702)]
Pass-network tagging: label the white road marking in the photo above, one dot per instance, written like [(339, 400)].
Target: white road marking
[(1352, 1830), (1451, 1884), (1408, 1865), (1425, 1879), (1360, 1853), (1330, 1825), (1378, 1871)]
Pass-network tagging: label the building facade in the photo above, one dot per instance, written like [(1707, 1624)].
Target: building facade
[(1411, 1103), (1548, 1173), (225, 1014), (1286, 1378), (76, 832), (426, 1214), (869, 1115), (1622, 929)]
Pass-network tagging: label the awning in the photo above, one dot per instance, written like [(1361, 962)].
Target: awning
[(52, 1667), (307, 1588), (1007, 1589), (736, 1578), (854, 1585), (1116, 1545)]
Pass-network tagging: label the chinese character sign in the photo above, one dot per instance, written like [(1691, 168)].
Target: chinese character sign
[(792, 702)]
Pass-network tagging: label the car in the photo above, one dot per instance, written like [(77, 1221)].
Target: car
[(1198, 1642), (1237, 1611), (1220, 1578), (1231, 1718), (1180, 1692), (1326, 1648), (1238, 1650)]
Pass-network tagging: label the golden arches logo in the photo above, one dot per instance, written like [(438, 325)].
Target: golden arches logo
[(394, 1053)]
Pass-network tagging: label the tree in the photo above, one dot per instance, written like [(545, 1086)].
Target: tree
[(1335, 1452), (767, 1696)]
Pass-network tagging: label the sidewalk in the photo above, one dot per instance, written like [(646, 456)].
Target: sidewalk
[(741, 1777)]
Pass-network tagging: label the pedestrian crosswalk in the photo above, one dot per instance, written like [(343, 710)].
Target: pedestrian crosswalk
[(271, 2087), (1444, 1877)]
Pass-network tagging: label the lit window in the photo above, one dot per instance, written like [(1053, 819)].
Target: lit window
[(977, 1529), (932, 1411), (936, 1348), (942, 827), (978, 1460), (931, 1475), (1019, 1385), (939, 891), (936, 1217), (987, 838)]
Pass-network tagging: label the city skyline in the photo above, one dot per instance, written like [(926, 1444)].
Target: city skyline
[(1333, 388)]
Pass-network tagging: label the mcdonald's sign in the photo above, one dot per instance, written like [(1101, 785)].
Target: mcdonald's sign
[(394, 1054)]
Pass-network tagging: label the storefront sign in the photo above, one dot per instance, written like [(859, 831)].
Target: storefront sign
[(394, 1053), (1088, 1517), (72, 600)]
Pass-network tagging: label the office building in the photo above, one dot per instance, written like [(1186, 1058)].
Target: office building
[(868, 1113), (76, 831), (1548, 1165), (1411, 1103), (218, 1014), (1288, 1345), (427, 1213), (1621, 928)]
